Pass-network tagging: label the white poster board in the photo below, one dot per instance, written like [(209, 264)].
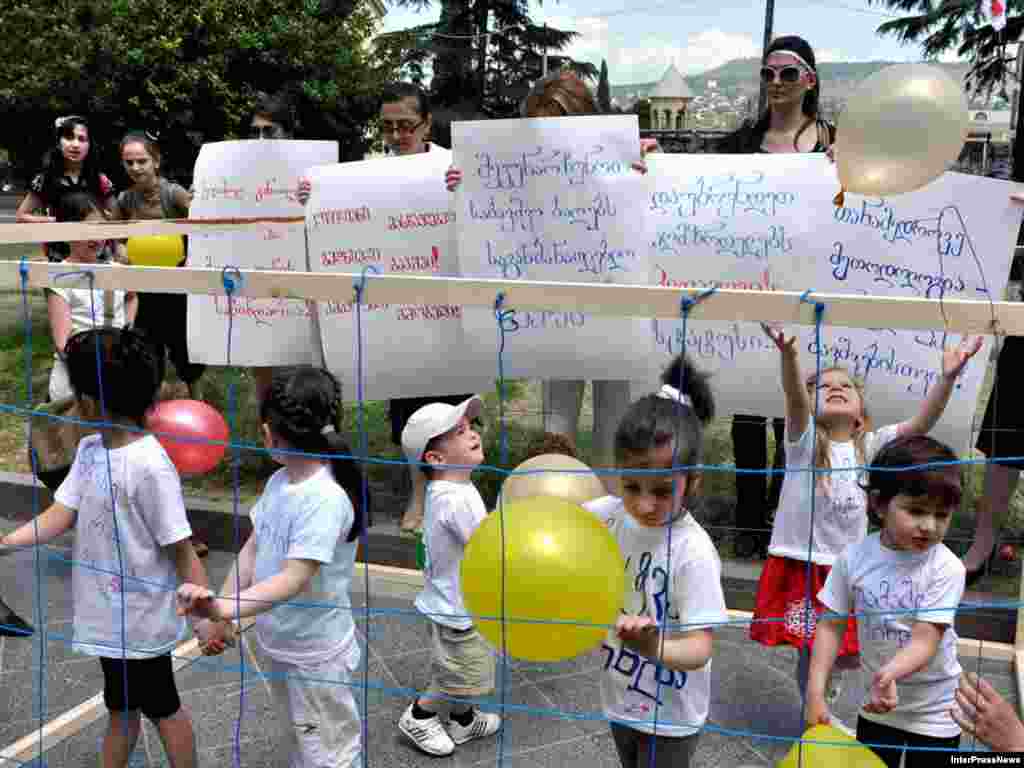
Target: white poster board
[(555, 199), (768, 222), (391, 216), (235, 179)]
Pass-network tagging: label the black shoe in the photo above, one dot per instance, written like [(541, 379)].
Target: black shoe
[(977, 573)]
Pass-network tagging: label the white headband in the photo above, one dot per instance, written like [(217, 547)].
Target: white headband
[(669, 392), (796, 56)]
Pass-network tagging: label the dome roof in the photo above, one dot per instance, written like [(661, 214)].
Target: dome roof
[(671, 86)]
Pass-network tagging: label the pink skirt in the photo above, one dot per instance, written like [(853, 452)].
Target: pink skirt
[(780, 610)]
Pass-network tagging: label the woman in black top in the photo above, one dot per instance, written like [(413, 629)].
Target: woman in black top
[(67, 168), (789, 124)]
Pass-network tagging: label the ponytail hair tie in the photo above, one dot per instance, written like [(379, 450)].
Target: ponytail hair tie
[(668, 392)]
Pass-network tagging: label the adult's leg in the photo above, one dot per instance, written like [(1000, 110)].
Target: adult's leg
[(750, 451), (778, 463), (176, 337), (611, 401), (562, 399), (1000, 483)]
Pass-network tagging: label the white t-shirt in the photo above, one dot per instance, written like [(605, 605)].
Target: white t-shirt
[(452, 512), (868, 578), (686, 583), (840, 505), (309, 520), (87, 307), (150, 517)]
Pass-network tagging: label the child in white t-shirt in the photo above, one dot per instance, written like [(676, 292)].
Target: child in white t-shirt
[(835, 439), (295, 570), (72, 305), (440, 437), (904, 585), (131, 546), (657, 673)]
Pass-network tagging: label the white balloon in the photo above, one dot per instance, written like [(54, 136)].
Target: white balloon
[(901, 129)]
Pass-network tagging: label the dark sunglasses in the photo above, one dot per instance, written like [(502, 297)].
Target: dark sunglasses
[(789, 74)]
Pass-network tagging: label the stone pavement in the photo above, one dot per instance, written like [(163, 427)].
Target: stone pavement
[(554, 716)]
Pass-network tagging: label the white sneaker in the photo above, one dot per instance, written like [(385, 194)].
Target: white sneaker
[(484, 724), (429, 735)]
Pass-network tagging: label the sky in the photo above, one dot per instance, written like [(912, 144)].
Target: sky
[(640, 38)]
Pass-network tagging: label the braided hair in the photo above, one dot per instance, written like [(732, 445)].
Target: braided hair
[(304, 408), (118, 367)]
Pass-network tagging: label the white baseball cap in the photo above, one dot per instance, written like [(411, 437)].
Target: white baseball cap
[(432, 420)]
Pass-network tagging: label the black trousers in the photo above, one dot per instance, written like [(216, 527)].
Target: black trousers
[(870, 732), (162, 317), (756, 496)]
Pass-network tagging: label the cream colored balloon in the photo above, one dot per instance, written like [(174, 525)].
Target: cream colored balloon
[(577, 485), (901, 128)]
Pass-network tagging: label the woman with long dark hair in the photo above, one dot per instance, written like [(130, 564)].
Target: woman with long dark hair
[(789, 124), (71, 166)]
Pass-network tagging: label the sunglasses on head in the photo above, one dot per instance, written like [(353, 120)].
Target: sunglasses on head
[(264, 132), (787, 74)]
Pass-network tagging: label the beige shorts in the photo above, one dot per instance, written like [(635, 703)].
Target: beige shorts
[(461, 662)]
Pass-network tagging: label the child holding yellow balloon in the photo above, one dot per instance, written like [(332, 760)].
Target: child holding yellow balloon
[(440, 438), (905, 585), (657, 682)]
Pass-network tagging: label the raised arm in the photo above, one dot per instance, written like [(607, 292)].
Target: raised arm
[(954, 359), (798, 404)]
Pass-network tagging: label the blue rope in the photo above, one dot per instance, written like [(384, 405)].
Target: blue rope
[(506, 322), (232, 280), (40, 605), (819, 313), (364, 535)]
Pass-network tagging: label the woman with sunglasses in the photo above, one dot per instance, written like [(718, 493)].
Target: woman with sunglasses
[(789, 124), (67, 168)]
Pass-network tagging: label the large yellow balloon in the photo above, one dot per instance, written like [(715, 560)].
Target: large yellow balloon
[(843, 751), (579, 484), (901, 128), (561, 565), (156, 250)]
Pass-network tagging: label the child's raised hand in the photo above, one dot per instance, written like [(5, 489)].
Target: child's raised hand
[(197, 601), (816, 712), (639, 633), (883, 697), (452, 178), (778, 335), (955, 358)]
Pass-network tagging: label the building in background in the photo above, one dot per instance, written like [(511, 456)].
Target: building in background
[(669, 101)]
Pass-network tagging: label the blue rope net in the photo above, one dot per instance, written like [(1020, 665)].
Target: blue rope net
[(364, 683)]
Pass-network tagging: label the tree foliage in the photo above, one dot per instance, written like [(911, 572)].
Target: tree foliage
[(941, 26), (604, 90), (484, 55), (189, 71)]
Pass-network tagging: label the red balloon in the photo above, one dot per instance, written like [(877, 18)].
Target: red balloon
[(1008, 552), (195, 423)]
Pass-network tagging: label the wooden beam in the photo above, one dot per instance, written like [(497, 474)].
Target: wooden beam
[(726, 305), (34, 745)]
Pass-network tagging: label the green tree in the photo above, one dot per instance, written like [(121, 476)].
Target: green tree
[(189, 71), (484, 54), (957, 25), (604, 91)]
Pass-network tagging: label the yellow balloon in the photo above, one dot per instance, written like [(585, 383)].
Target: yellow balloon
[(578, 485), (561, 565), (900, 129), (843, 751), (156, 250)]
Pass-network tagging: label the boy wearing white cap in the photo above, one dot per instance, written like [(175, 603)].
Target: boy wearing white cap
[(441, 437)]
